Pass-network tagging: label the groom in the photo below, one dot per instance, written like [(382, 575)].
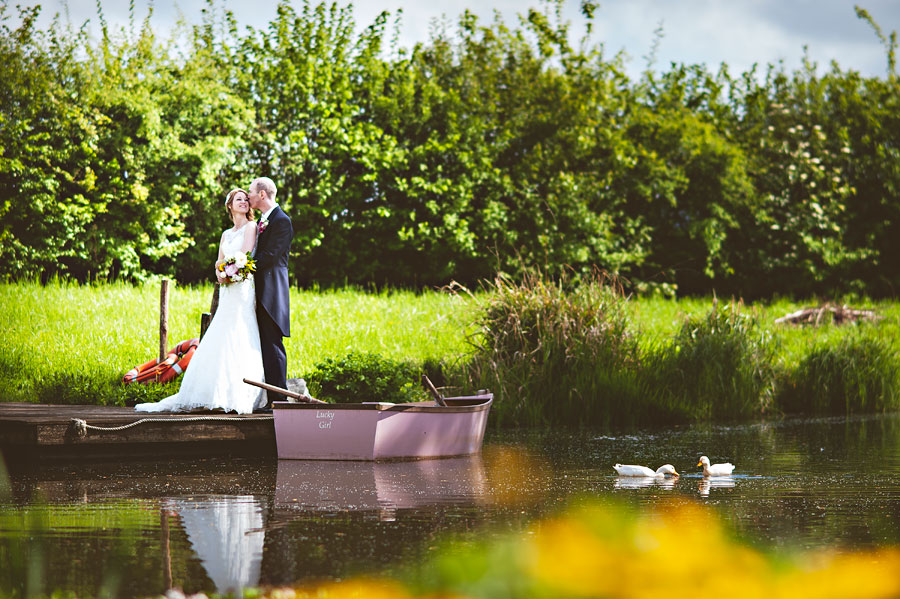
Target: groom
[(273, 309)]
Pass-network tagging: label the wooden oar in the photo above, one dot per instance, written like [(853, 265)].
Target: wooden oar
[(434, 392), (266, 386)]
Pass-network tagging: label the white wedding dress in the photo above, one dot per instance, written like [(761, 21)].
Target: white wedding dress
[(229, 352)]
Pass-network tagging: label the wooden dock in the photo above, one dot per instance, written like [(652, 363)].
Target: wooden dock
[(29, 431)]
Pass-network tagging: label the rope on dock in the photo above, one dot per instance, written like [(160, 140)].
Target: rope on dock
[(82, 427)]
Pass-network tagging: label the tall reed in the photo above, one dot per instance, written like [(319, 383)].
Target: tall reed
[(717, 366), (552, 356), (858, 373)]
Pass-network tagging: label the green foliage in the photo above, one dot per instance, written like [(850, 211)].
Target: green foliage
[(552, 356), (107, 153), (717, 367), (361, 376), (858, 374), (488, 149)]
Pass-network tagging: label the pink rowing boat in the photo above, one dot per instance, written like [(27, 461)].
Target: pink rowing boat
[(381, 431)]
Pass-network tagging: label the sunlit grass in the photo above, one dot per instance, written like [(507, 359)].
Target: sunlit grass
[(659, 319), (68, 343), (65, 336), (396, 324)]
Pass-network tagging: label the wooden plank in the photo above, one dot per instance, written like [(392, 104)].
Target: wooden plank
[(26, 412), (50, 429), (157, 432), (17, 433)]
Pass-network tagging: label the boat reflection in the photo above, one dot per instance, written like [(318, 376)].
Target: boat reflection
[(641, 482), (714, 482), (380, 486), (226, 532)]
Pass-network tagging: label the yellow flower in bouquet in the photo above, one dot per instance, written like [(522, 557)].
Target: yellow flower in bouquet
[(236, 268)]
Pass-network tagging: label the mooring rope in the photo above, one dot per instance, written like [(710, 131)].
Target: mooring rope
[(82, 427)]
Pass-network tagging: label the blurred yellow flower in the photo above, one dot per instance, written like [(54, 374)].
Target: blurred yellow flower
[(357, 588), (677, 549)]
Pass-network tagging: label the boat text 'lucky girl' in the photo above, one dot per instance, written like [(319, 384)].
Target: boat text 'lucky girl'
[(325, 418)]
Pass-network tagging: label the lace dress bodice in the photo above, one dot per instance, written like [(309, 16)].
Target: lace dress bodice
[(232, 239)]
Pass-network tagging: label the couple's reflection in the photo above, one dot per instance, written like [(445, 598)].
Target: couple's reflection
[(226, 532)]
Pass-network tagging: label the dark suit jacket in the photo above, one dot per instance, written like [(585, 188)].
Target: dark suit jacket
[(272, 248)]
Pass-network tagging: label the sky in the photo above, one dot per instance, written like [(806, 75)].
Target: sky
[(737, 32)]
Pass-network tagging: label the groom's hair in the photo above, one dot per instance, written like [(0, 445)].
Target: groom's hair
[(267, 185)]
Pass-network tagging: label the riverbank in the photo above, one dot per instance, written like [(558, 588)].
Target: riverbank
[(674, 360)]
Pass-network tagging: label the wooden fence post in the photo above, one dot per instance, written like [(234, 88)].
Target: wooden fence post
[(214, 303), (206, 317), (163, 319)]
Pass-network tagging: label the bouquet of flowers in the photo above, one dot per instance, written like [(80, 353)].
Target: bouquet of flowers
[(236, 268)]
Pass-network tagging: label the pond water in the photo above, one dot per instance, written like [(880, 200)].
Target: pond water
[(135, 529)]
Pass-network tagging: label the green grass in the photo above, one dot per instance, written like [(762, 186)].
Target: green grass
[(586, 356), (717, 366), (68, 343)]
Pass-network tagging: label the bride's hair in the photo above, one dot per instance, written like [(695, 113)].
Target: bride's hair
[(229, 200)]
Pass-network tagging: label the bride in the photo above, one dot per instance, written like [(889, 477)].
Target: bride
[(230, 350)]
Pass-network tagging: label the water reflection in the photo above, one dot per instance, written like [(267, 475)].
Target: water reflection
[(642, 482), (714, 482), (226, 523), (335, 485), (704, 484), (226, 533)]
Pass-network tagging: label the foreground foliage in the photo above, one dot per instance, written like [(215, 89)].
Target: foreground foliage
[(490, 148), (675, 549)]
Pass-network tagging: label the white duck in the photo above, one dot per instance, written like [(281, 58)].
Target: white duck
[(631, 470), (715, 469)]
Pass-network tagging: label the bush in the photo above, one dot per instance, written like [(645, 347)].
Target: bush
[(365, 377), (718, 366), (552, 356), (857, 374)]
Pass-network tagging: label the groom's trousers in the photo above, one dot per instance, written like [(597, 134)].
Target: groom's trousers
[(273, 354)]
